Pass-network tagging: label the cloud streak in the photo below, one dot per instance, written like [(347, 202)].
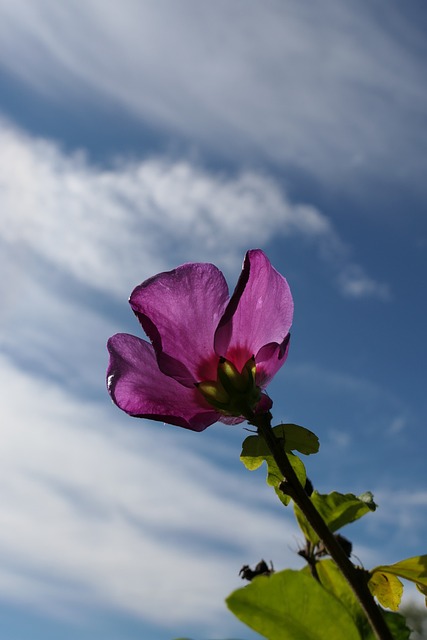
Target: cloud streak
[(337, 91), (355, 283), (102, 511), (120, 517), (98, 513), (110, 227), (133, 520)]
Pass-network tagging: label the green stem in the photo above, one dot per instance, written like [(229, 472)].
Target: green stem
[(300, 497)]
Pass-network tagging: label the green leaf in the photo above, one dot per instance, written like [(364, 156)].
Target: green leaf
[(297, 438), (423, 590), (413, 569), (397, 625), (255, 452), (387, 589), (332, 579), (289, 605), (337, 509), (299, 469)]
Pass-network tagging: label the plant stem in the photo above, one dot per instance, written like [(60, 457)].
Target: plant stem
[(296, 491)]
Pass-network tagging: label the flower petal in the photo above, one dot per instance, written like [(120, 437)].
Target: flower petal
[(138, 387), (179, 310), (259, 313), (269, 359)]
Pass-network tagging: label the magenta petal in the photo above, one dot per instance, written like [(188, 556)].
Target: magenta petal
[(264, 404), (179, 310), (259, 313), (138, 387), (231, 419), (269, 359)]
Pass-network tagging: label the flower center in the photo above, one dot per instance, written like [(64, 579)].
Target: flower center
[(233, 393)]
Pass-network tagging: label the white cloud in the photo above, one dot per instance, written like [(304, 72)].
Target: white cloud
[(112, 227), (399, 522), (360, 409), (340, 382), (126, 517), (136, 517), (335, 89), (398, 424), (339, 439), (355, 283), (82, 518), (130, 518)]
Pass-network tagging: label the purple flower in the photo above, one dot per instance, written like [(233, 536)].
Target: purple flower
[(210, 356)]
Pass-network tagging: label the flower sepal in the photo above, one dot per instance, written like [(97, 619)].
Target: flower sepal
[(234, 393)]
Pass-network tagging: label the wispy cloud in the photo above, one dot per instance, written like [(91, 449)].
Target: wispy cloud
[(82, 517), (359, 407), (398, 424), (115, 516), (337, 90), (355, 283), (399, 521), (99, 511), (111, 227)]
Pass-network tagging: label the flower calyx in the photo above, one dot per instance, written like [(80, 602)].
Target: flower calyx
[(233, 393)]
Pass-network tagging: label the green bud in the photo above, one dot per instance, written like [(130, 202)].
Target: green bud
[(234, 393), (214, 393)]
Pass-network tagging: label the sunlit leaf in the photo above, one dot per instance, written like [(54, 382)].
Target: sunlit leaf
[(413, 569), (332, 579), (297, 438), (255, 452), (290, 605), (423, 590), (337, 509), (387, 589), (299, 469)]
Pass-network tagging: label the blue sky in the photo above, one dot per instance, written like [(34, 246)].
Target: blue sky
[(139, 136)]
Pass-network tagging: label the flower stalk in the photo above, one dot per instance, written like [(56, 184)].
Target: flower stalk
[(292, 487)]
